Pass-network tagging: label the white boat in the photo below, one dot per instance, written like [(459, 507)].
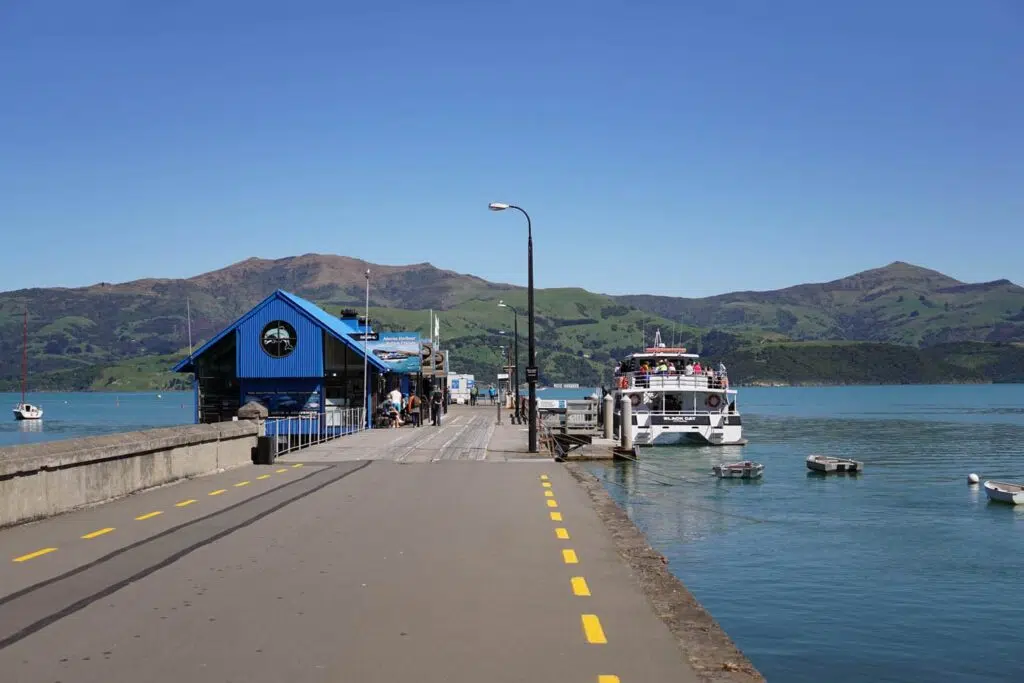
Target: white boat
[(27, 411), (24, 410), (824, 463), (675, 400), (739, 470), (1005, 492)]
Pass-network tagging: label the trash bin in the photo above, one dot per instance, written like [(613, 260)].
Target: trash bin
[(265, 450)]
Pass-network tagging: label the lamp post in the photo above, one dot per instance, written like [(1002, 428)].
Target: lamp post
[(515, 363), (531, 367), (366, 361), (500, 367)]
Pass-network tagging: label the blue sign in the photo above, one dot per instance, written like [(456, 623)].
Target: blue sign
[(400, 351)]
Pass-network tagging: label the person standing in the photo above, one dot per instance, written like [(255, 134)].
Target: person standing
[(436, 401), (414, 409)]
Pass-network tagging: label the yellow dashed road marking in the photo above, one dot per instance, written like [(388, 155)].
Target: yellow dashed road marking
[(592, 629), (556, 516), (98, 532), (148, 515), (546, 484), (217, 492), (562, 533), (283, 469), (298, 464), (569, 555), (580, 587), (263, 476), (607, 678), (549, 494), (552, 503), (544, 477), (242, 483), (36, 554), (185, 503)]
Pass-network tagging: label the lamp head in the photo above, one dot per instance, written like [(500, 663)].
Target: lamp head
[(502, 304), (497, 206)]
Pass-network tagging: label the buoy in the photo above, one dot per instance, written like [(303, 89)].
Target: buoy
[(972, 478)]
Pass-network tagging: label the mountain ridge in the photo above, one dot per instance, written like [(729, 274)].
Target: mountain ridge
[(580, 333)]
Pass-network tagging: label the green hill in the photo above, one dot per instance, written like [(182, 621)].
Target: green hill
[(896, 324)]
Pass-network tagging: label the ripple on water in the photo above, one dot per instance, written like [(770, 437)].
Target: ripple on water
[(903, 573)]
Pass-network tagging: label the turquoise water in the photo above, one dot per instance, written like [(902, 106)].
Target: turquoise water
[(66, 416), (904, 573)]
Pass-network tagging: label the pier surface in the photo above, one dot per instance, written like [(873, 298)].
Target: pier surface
[(430, 554)]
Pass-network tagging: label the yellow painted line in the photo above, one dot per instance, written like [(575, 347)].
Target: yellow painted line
[(592, 629), (556, 516), (546, 484), (549, 494), (98, 532), (562, 533), (283, 469), (569, 555), (242, 483), (30, 556), (544, 477), (263, 476), (298, 464), (184, 503), (607, 678), (217, 492), (580, 587), (552, 503), (148, 515)]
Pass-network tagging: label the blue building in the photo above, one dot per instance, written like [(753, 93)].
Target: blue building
[(290, 355)]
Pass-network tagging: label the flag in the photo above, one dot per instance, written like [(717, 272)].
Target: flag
[(437, 328)]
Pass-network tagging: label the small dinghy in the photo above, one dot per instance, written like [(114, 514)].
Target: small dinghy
[(824, 463), (1005, 492), (739, 470)]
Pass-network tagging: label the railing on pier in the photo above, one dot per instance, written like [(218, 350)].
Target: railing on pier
[(683, 382), (309, 429)]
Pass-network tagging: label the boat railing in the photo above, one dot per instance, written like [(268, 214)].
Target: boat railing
[(641, 380)]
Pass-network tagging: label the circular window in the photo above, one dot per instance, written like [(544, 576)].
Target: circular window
[(278, 339)]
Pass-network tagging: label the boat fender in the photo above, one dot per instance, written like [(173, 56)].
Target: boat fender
[(713, 401)]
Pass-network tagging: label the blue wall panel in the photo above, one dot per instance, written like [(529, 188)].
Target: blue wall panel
[(306, 359)]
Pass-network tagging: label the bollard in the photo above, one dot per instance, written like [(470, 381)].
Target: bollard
[(626, 424), (609, 415)]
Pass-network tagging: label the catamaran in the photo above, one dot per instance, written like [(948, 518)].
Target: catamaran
[(26, 411), (675, 400)]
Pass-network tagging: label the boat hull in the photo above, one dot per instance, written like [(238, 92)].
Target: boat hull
[(28, 413), (825, 465), (746, 470), (1011, 494)]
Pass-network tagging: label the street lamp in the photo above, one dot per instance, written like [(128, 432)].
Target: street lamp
[(515, 363), (531, 366), (366, 333)]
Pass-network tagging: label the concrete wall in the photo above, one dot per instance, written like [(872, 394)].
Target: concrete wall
[(38, 480)]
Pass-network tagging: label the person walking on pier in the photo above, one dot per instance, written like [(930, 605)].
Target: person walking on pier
[(414, 406), (436, 401)]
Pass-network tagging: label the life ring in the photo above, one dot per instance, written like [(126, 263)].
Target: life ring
[(713, 401), (623, 382)]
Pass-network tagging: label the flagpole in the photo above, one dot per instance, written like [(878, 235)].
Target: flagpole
[(366, 360)]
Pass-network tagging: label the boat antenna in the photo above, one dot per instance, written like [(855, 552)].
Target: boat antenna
[(188, 317), (24, 356)]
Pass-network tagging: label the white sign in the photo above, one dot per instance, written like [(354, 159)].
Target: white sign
[(502, 375), (566, 386)]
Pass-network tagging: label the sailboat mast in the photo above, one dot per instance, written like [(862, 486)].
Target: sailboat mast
[(24, 355)]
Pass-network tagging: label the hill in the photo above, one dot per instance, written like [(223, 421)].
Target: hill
[(927, 325), (900, 303)]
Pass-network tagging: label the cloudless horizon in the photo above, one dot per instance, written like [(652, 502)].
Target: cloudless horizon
[(661, 147)]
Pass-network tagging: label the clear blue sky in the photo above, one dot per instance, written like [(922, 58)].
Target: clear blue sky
[(665, 147)]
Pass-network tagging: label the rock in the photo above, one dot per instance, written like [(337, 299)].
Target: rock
[(253, 410)]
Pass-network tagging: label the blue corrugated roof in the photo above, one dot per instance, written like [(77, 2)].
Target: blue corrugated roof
[(336, 327)]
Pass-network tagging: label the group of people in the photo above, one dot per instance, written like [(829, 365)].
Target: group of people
[(718, 379), (474, 394), (399, 409)]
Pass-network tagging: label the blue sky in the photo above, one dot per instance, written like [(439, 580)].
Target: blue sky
[(663, 147)]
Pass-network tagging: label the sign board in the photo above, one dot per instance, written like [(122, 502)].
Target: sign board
[(427, 358), (400, 351), (550, 404), (531, 374), (502, 375), (566, 386)]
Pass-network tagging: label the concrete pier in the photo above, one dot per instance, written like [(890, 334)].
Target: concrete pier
[(431, 554)]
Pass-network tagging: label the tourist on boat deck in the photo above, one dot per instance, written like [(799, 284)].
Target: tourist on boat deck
[(697, 370), (688, 370), (662, 368)]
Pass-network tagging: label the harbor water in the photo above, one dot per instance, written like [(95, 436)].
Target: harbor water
[(903, 573), (71, 415)]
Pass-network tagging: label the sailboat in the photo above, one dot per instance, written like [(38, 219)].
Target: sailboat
[(26, 411)]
